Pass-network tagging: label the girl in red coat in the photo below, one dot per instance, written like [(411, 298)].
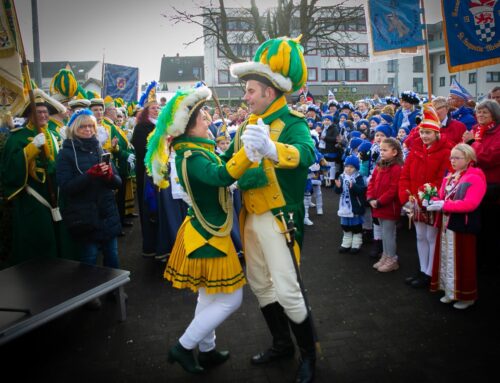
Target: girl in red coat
[(382, 195), (455, 258), (427, 162)]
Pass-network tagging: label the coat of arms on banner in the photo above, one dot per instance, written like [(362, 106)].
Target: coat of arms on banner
[(470, 33)]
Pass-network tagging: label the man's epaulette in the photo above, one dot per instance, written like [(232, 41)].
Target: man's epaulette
[(296, 114)]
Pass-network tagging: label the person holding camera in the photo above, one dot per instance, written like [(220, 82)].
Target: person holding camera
[(86, 179)]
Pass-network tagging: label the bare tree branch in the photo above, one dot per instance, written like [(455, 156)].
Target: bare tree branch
[(327, 29)]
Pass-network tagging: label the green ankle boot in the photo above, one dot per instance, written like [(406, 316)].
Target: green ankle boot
[(212, 358), (185, 358)]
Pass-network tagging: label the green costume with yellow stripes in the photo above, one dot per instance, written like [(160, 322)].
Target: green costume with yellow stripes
[(35, 234), (204, 254)]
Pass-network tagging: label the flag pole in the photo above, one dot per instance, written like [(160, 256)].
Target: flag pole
[(26, 74), (102, 74), (427, 57)]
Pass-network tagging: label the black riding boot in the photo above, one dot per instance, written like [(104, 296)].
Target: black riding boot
[(282, 347), (305, 340)]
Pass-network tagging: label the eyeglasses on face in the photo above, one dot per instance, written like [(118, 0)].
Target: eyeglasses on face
[(87, 126)]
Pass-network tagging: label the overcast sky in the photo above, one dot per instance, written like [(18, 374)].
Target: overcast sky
[(126, 32)]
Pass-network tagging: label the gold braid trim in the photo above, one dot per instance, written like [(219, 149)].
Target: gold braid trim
[(225, 202)]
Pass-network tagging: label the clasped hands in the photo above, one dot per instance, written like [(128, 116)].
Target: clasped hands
[(101, 170), (257, 142)]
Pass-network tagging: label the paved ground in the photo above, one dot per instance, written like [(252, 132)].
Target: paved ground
[(372, 327)]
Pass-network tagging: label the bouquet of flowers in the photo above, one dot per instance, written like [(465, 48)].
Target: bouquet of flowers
[(426, 192)]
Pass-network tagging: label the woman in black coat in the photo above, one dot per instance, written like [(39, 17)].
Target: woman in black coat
[(86, 179)]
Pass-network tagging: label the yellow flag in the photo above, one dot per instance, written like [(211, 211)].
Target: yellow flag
[(11, 80)]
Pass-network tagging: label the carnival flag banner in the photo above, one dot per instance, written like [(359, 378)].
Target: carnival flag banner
[(470, 33), (11, 80), (394, 28), (121, 81)]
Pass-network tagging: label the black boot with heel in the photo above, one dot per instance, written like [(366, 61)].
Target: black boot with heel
[(305, 340), (282, 347)]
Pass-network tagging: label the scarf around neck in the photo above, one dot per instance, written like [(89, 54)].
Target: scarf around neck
[(345, 203)]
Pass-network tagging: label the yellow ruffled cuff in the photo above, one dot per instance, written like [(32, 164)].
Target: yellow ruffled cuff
[(238, 164), (288, 156), (31, 152), (193, 240)]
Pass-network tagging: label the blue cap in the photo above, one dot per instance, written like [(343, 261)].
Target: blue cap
[(407, 131), (459, 90), (384, 128), (345, 115), (361, 122), (374, 118), (355, 133), (353, 161), (411, 97), (365, 147), (355, 142), (328, 116), (346, 105), (358, 113), (387, 117)]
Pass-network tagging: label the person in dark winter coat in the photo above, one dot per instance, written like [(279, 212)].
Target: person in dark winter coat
[(86, 182)]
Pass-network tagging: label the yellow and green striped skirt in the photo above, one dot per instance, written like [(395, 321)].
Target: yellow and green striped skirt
[(216, 275)]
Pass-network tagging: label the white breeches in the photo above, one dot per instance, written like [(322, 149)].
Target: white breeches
[(211, 311), (270, 270)]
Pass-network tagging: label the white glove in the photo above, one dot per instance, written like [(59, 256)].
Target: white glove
[(435, 206), (233, 187), (131, 161), (408, 206), (260, 133), (62, 132), (250, 144), (39, 140), (102, 135)]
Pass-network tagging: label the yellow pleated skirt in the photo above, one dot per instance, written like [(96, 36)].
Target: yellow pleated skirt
[(216, 275)]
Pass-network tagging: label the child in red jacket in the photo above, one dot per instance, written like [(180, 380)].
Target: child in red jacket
[(382, 195)]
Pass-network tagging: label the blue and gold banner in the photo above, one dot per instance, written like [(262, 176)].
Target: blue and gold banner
[(471, 37), (121, 81), (394, 25)]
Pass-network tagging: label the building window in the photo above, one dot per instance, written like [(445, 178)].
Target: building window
[(239, 25), (472, 78), (197, 73), (344, 50), (339, 75), (492, 76), (442, 59), (391, 66), (312, 74), (390, 81), (226, 78), (241, 50), (442, 81), (418, 64), (418, 85), (452, 77)]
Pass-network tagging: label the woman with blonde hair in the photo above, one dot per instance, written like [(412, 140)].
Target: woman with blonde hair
[(87, 179)]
